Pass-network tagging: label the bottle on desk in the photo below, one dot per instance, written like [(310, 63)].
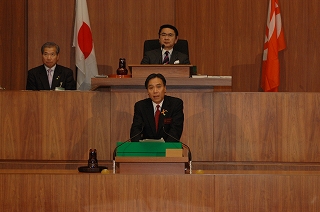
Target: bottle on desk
[(122, 70)]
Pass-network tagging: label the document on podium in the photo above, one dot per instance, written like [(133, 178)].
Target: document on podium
[(153, 140)]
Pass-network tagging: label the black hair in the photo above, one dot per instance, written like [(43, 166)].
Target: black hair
[(50, 45), (170, 27), (152, 76)]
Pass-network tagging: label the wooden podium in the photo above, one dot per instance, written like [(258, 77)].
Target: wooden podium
[(150, 158), (143, 71), (152, 165)]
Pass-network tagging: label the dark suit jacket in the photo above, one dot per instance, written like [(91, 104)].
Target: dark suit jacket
[(170, 121), (155, 57), (38, 78)]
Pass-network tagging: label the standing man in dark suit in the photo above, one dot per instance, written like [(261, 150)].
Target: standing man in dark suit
[(170, 124), (50, 75), (168, 37)]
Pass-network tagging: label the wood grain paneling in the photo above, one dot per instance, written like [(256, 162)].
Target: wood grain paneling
[(266, 127), (153, 193), (48, 125), (13, 44), (120, 27), (225, 37), (218, 127), (50, 21), (300, 61), (300, 127), (44, 192), (266, 193), (60, 190)]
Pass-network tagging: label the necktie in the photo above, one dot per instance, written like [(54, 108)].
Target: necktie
[(166, 58), (50, 77), (156, 117)]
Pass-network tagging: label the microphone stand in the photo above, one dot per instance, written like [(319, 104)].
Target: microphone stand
[(184, 145), (115, 150), (161, 59)]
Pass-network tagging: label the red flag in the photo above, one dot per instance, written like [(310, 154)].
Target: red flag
[(274, 42), (85, 55)]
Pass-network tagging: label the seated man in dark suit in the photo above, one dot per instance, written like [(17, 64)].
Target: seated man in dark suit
[(171, 118), (168, 37), (50, 75)]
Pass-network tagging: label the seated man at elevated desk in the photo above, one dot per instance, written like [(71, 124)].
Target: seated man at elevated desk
[(159, 116), (50, 75), (165, 54)]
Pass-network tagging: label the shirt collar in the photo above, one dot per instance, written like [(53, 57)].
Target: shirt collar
[(155, 105), (164, 51), (53, 68)]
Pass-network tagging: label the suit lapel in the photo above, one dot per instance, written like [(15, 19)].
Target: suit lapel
[(173, 57), (56, 77), (159, 56), (165, 106)]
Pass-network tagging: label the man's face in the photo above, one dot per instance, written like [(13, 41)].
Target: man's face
[(156, 90), (50, 57), (168, 38)]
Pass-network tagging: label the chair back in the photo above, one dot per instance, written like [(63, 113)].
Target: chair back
[(181, 46)]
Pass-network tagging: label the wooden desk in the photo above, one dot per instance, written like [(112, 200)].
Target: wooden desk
[(97, 83), (143, 71), (250, 191), (152, 165)]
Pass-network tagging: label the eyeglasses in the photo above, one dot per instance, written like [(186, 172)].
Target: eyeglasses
[(165, 34), (49, 54)]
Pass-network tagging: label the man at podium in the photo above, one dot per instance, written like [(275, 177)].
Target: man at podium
[(166, 54), (159, 116)]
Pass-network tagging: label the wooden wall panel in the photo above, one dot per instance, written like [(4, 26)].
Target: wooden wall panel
[(300, 127), (198, 127), (266, 192), (225, 37), (152, 193), (266, 127), (300, 61), (13, 44), (120, 27), (54, 125), (219, 127), (47, 190), (44, 192), (50, 21)]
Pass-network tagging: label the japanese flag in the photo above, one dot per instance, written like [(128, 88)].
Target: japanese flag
[(83, 42)]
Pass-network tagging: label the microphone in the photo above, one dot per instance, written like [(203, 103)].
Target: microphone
[(162, 47), (185, 145), (115, 149)]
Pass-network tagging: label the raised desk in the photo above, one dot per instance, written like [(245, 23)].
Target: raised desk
[(183, 83)]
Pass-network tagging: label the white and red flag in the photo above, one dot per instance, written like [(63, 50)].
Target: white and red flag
[(85, 56), (274, 42)]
